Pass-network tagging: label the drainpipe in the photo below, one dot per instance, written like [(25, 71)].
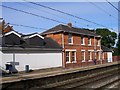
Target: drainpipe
[(63, 59), (100, 51), (94, 48)]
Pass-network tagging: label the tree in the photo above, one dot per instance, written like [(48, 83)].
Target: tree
[(117, 48), (107, 37)]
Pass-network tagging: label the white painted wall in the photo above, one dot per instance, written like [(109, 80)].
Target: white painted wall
[(109, 54), (34, 60)]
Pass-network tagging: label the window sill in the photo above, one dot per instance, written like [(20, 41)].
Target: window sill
[(90, 60), (68, 62), (82, 44), (70, 43), (89, 45), (74, 62), (83, 61)]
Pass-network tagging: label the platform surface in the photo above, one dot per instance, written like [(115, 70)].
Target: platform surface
[(46, 73)]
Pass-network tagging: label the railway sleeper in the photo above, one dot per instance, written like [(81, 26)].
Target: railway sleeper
[(96, 84), (85, 83), (70, 83)]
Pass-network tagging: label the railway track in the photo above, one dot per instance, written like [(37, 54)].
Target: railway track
[(95, 80), (115, 84)]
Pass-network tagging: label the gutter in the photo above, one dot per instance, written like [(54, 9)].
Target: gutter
[(28, 49), (72, 32)]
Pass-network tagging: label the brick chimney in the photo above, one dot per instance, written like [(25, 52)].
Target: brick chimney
[(70, 25)]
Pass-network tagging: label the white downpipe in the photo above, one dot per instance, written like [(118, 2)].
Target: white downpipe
[(94, 47), (101, 52)]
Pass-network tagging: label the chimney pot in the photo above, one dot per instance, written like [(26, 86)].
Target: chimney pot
[(70, 24)]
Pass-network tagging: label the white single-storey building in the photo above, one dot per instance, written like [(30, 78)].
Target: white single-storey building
[(30, 50), (107, 53)]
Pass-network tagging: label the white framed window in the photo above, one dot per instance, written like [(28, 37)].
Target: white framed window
[(89, 41), (83, 55), (103, 55), (67, 56), (89, 55), (70, 39), (82, 40), (98, 42), (73, 56), (99, 55)]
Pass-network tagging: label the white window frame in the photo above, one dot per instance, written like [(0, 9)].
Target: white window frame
[(99, 54), (90, 55), (98, 42), (82, 40), (89, 40), (84, 55), (74, 57), (70, 37), (103, 55), (70, 51), (68, 57)]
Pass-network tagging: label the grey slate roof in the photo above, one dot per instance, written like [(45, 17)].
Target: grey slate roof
[(64, 28), (50, 43), (106, 49), (46, 43)]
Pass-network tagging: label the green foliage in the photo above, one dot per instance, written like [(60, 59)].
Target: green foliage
[(107, 37), (116, 52), (118, 44)]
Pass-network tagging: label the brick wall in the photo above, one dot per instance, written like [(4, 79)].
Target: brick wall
[(57, 37), (116, 58), (78, 47)]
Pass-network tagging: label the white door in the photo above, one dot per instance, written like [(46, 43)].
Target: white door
[(109, 54)]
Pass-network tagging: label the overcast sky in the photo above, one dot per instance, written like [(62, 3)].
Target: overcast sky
[(98, 12)]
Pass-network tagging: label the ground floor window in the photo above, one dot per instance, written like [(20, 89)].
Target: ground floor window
[(83, 55), (73, 56), (67, 56), (99, 55), (70, 56), (103, 56), (89, 55)]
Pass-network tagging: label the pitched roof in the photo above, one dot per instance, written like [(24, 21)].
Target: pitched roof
[(32, 35), (106, 49), (64, 28), (48, 43), (14, 32)]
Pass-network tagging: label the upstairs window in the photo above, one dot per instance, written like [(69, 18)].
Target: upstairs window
[(70, 39), (82, 40)]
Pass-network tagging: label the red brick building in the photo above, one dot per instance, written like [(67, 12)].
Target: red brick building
[(80, 46)]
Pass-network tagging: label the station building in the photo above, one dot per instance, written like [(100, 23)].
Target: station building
[(81, 47)]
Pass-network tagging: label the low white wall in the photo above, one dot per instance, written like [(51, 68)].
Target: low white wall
[(34, 60)]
